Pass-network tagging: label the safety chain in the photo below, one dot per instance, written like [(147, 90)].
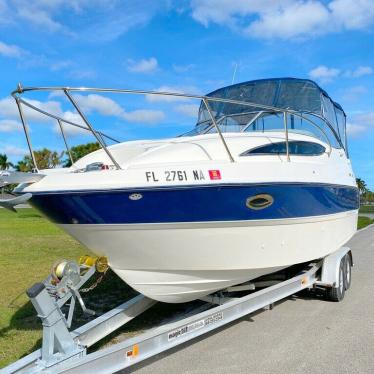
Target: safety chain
[(95, 284)]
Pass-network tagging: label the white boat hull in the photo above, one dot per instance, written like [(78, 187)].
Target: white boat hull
[(180, 262)]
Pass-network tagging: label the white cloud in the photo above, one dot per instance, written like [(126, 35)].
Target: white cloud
[(70, 129), (9, 115), (228, 11), (354, 129), (10, 125), (38, 17), (354, 93), (60, 65), (183, 68), (366, 119), (361, 123), (189, 110), (359, 72), (4, 11), (11, 150), (144, 115), (11, 50), (8, 109), (285, 19), (109, 107), (82, 74), (100, 104), (114, 18), (352, 14), (300, 19), (142, 66), (324, 74), (173, 89), (111, 18)]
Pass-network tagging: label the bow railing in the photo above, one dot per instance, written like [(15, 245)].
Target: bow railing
[(101, 137)]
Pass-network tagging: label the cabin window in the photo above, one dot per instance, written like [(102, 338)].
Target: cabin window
[(301, 148)]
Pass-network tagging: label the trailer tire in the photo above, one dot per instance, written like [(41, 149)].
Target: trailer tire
[(337, 293), (348, 271)]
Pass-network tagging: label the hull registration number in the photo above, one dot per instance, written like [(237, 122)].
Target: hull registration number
[(182, 175)]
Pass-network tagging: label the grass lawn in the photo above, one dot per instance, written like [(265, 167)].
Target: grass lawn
[(29, 245), (364, 221), (366, 209)]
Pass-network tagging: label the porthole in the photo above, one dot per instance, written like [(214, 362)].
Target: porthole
[(259, 202)]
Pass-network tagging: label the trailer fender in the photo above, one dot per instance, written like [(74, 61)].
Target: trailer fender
[(330, 267)]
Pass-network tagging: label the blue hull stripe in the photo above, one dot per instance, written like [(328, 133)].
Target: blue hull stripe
[(195, 203)]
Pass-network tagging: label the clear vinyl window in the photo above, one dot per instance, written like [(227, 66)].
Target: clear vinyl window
[(301, 148)]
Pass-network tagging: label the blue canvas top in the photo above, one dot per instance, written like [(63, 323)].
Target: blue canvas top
[(296, 94), (299, 95)]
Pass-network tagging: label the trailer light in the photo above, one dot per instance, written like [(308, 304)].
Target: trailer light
[(133, 352)]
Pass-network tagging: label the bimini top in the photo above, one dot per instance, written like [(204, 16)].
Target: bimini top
[(299, 95), (302, 95)]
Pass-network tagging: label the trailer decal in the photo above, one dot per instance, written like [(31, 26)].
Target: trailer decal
[(195, 326)]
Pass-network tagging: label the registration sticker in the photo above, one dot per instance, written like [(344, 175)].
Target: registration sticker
[(214, 174)]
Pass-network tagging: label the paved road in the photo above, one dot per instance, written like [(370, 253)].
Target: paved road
[(300, 335)]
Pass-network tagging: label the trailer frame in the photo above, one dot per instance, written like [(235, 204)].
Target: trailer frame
[(66, 352)]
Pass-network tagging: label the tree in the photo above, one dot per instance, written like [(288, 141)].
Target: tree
[(81, 150), (4, 165), (361, 186), (4, 162), (24, 165), (45, 159)]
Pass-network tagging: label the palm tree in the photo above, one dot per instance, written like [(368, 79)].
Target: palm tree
[(361, 186), (4, 162), (4, 165)]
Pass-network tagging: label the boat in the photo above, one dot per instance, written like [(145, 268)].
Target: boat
[(262, 182)]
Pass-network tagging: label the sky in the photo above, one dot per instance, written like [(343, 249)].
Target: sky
[(191, 46)]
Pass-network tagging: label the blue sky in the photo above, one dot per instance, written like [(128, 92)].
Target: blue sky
[(185, 46)]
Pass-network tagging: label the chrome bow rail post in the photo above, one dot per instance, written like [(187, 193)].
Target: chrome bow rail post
[(99, 136), (286, 135), (218, 129), (65, 141), (25, 129)]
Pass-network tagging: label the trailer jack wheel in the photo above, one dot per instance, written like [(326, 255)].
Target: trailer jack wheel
[(337, 293)]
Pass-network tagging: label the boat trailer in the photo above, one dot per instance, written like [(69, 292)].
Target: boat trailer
[(65, 351)]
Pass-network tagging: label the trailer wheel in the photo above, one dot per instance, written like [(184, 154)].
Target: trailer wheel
[(337, 293), (348, 271)]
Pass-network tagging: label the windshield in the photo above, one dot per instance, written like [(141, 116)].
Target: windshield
[(264, 121)]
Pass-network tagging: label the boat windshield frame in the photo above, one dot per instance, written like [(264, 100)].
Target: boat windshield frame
[(205, 100)]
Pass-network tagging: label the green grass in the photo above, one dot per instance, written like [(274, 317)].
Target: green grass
[(364, 221), (366, 209), (29, 245)]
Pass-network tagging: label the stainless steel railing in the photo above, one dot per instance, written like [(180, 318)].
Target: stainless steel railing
[(100, 136)]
